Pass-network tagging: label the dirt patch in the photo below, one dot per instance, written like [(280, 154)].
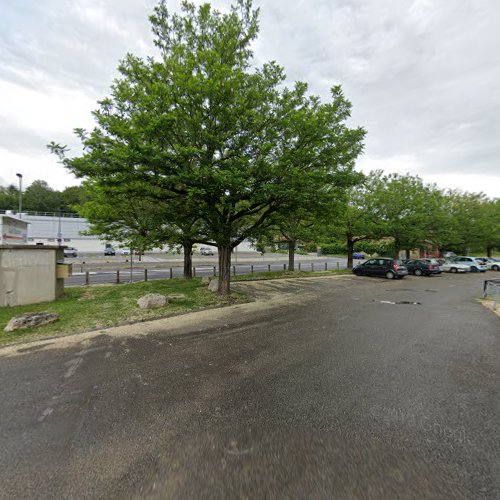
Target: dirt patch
[(490, 305)]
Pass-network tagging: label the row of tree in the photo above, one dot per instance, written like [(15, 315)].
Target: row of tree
[(40, 197), (410, 215), (195, 147)]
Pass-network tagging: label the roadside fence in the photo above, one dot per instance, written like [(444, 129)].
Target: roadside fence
[(132, 275)]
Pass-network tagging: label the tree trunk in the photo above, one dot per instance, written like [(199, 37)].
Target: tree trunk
[(291, 255), (397, 246), (350, 251), (407, 251), (488, 251), (188, 260), (224, 269)]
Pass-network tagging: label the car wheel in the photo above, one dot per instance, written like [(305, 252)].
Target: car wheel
[(473, 269), (495, 268), (453, 270), (390, 275), (418, 272)]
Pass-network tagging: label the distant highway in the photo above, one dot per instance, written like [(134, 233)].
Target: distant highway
[(87, 275)]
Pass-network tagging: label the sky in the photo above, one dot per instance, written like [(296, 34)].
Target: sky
[(423, 77)]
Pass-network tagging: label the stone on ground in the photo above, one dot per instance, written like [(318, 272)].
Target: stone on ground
[(30, 320), (152, 300), (213, 286)]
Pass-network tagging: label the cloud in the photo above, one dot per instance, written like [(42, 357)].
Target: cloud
[(421, 74)]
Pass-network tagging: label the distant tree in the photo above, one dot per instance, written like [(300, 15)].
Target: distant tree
[(123, 213), (40, 197), (491, 211), (9, 197), (71, 198), (355, 218)]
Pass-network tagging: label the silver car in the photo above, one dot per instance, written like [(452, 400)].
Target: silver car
[(475, 264)]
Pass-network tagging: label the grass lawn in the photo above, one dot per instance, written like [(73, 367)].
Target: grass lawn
[(287, 274), (94, 307), (101, 306)]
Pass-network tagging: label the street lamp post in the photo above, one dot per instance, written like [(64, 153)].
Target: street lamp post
[(59, 232), (20, 208)]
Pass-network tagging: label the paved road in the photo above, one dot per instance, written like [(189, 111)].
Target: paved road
[(323, 388), (205, 267)]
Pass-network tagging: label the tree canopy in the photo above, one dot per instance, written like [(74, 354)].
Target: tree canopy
[(198, 125)]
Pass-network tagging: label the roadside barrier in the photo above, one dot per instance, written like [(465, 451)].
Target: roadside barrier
[(120, 276)]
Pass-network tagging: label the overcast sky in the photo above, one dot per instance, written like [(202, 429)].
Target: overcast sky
[(423, 77)]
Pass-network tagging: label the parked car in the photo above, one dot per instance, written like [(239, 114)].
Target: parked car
[(475, 264), (423, 267), (125, 251), (490, 263), (390, 268), (449, 266), (358, 255), (206, 251), (70, 252), (109, 251)]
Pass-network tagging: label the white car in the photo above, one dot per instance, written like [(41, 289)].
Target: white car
[(493, 265), (454, 267), (70, 252), (474, 264), (125, 251)]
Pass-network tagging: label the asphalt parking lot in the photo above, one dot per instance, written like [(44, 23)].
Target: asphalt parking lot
[(345, 387)]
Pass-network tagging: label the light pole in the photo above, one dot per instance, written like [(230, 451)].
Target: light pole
[(19, 213), (59, 232)]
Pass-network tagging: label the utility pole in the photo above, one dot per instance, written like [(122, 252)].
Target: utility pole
[(20, 206), (59, 232)]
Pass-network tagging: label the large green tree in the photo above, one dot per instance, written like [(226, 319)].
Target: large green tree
[(198, 124)]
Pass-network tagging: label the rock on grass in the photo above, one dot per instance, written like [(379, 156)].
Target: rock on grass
[(29, 320)]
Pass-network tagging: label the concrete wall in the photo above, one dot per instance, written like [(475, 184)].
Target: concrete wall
[(28, 274)]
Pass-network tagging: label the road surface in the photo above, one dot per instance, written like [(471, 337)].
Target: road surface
[(203, 267), (339, 387)]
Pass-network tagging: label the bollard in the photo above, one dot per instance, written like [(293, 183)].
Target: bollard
[(312, 267), (326, 266), (299, 266), (194, 272), (117, 276), (338, 266), (171, 273), (87, 278), (234, 270), (284, 267), (145, 274), (269, 268), (251, 269), (215, 271)]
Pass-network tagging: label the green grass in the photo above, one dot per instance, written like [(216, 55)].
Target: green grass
[(101, 306), (287, 274)]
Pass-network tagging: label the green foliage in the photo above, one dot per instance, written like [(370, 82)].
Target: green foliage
[(40, 197), (198, 128)]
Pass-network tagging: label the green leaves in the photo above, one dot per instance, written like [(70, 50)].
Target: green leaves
[(203, 138)]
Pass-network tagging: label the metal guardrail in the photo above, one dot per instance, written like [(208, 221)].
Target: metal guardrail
[(68, 215), (145, 274), (491, 287)]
